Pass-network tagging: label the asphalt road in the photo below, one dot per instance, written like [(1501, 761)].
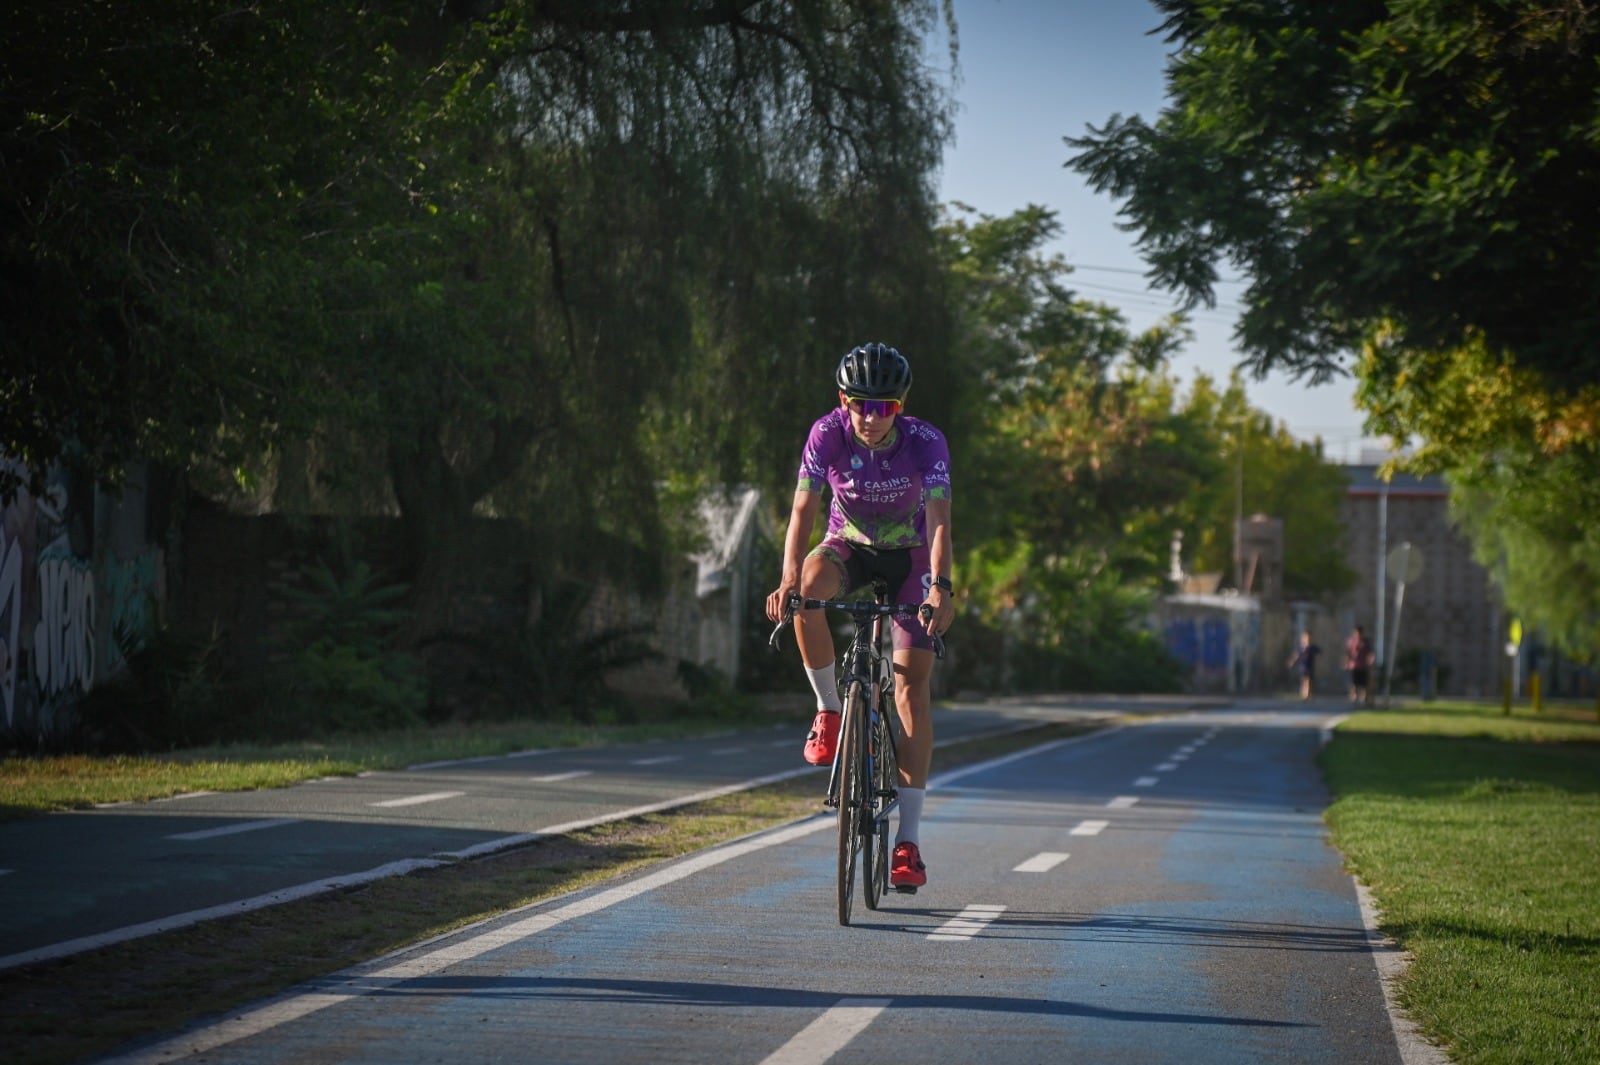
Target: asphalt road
[(75, 881), (1157, 892)]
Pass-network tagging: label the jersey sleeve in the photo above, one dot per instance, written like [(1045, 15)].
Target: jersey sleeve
[(935, 465), (818, 455)]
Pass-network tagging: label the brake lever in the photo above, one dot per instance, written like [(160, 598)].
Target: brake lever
[(926, 612), (790, 604)]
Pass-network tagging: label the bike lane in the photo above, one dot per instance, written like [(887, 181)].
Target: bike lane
[(1079, 909), (78, 880)]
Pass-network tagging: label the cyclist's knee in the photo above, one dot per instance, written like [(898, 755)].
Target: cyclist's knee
[(819, 578)]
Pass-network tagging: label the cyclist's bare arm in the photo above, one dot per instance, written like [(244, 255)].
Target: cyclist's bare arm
[(802, 516), (941, 556)]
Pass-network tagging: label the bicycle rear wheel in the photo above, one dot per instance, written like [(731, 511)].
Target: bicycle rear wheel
[(853, 791)]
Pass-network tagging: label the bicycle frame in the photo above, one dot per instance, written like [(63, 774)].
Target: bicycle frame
[(864, 780)]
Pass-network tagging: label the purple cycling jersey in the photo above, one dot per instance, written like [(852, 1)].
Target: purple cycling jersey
[(878, 496)]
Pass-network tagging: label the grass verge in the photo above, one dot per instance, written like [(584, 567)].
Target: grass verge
[(41, 785), (1479, 836), (86, 1005)]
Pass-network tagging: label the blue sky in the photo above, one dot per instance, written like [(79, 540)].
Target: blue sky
[(1034, 71)]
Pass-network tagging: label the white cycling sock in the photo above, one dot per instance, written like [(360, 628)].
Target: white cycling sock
[(910, 814), (826, 687)]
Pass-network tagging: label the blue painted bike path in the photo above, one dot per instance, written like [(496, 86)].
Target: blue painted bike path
[(1157, 892), (77, 880)]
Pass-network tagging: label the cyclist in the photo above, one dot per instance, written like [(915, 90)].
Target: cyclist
[(889, 476)]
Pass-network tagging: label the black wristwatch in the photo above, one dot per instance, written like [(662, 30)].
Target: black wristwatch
[(944, 582)]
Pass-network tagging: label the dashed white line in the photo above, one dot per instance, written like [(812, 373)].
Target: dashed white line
[(1166, 767), (1179, 756), (418, 800), (1146, 782), (660, 760), (1089, 828), (1042, 863), (234, 829), (968, 923), (1123, 802), (552, 778), (828, 1034), (723, 752), (416, 963)]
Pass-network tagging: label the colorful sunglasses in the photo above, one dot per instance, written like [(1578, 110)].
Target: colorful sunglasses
[(879, 408)]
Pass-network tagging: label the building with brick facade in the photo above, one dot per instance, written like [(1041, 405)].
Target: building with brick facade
[(1450, 616)]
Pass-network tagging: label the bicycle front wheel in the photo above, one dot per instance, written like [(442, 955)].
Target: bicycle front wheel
[(854, 789), (885, 787)]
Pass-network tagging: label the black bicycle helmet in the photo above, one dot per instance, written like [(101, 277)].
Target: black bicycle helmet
[(874, 371)]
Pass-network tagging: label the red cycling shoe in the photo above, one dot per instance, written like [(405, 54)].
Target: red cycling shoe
[(823, 739), (906, 871)]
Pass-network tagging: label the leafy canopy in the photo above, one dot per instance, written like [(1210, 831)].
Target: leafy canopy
[(1416, 163)]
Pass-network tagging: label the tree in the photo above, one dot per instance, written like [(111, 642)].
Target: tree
[(1081, 461), (1405, 185), (463, 257), (1264, 469), (1374, 162)]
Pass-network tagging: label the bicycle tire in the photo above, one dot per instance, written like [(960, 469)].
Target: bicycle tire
[(875, 845), (853, 787)]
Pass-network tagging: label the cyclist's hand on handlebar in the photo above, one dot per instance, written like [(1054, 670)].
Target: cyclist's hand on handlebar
[(938, 612), (778, 602)]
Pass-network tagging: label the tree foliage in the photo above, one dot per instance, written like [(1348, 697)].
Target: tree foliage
[(1263, 469), (1405, 184), (1077, 461), (522, 257), (1375, 162)]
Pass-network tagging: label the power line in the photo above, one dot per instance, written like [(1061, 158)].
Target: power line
[(1141, 273)]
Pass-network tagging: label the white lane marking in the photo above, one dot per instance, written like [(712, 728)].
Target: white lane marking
[(417, 962), (968, 923), (552, 778), (659, 760), (6, 872), (722, 752), (235, 829), (1179, 756), (418, 800), (1123, 802), (478, 758), (828, 1034), (1042, 863), (1392, 963), (1089, 828), (357, 981), (382, 872), (1166, 767), (1146, 782)]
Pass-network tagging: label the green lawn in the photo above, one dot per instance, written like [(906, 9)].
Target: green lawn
[(1479, 835), (31, 786)]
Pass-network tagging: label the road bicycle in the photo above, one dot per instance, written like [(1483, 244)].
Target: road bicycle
[(864, 782)]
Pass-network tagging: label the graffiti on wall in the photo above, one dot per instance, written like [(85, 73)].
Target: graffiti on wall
[(66, 601), (63, 640), (10, 621)]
